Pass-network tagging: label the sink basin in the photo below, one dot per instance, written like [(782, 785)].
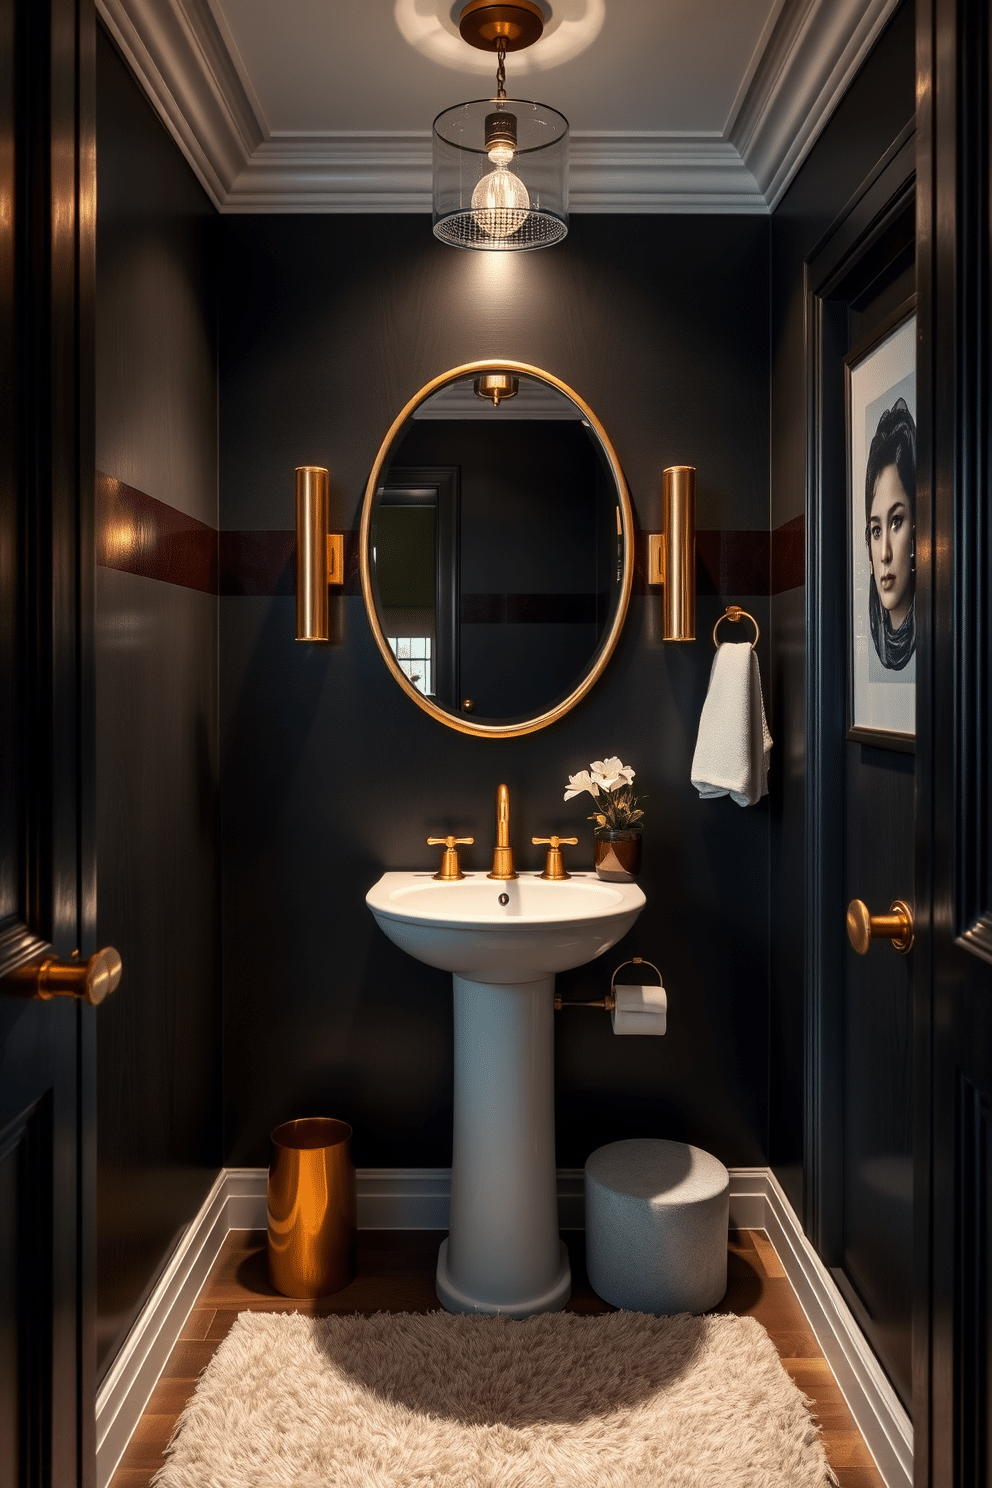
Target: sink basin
[(544, 927), (503, 1253)]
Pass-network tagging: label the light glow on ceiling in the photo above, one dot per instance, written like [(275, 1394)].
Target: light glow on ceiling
[(429, 27)]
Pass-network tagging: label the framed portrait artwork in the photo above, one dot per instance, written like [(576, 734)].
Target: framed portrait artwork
[(881, 525)]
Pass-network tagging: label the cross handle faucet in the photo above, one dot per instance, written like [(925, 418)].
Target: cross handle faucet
[(449, 869)]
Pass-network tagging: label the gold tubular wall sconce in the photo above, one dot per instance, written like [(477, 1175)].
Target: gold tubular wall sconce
[(319, 554), (672, 554)]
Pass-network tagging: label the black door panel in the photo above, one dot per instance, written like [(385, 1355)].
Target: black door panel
[(876, 1271), (860, 815), (953, 1018), (47, 861)]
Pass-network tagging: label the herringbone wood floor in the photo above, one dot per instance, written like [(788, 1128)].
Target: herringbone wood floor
[(396, 1274)]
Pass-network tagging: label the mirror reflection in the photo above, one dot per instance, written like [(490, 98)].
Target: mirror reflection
[(496, 548)]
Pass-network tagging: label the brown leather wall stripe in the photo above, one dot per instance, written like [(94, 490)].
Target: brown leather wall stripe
[(258, 563), (789, 555), (253, 563), (532, 609), (137, 534), (728, 563)]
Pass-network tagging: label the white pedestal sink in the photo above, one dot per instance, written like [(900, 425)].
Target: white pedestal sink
[(503, 1253)]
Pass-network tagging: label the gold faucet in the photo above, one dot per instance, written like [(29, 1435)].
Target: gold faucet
[(503, 854)]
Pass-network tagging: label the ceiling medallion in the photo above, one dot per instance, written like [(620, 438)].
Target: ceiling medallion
[(500, 164)]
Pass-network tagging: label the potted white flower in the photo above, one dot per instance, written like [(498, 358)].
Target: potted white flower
[(618, 830)]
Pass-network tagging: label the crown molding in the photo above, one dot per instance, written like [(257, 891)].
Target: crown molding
[(392, 173), (661, 173), (178, 53), (814, 51), (335, 173)]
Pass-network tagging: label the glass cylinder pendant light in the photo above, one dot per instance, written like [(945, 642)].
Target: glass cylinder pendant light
[(501, 164)]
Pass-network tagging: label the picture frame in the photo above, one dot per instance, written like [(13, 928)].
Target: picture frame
[(880, 391)]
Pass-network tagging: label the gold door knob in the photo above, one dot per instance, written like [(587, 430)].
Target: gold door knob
[(449, 869), (92, 981), (554, 867), (897, 926)]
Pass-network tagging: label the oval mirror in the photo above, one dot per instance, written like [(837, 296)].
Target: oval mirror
[(497, 548)]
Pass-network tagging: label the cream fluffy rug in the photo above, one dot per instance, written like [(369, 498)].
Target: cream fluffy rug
[(622, 1400)]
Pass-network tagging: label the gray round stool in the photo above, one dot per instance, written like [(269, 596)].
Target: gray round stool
[(657, 1215)]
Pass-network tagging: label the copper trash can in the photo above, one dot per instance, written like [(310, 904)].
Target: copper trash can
[(310, 1197)]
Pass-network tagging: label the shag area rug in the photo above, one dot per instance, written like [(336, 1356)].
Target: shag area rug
[(621, 1400)]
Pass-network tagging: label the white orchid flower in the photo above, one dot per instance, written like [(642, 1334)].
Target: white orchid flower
[(611, 774), (579, 783)]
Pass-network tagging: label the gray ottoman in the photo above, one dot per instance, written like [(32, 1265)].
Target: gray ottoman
[(657, 1215)]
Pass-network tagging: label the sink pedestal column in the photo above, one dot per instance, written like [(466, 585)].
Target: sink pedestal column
[(503, 1253)]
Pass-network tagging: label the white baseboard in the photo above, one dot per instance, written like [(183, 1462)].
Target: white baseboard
[(134, 1374), (418, 1199), (395, 1198), (874, 1404)]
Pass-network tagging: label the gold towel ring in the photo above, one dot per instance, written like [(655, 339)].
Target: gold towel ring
[(634, 961), (735, 613)]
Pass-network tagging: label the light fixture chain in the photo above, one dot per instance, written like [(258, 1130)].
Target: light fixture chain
[(501, 67)]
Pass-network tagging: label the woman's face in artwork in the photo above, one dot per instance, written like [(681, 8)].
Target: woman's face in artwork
[(890, 545)]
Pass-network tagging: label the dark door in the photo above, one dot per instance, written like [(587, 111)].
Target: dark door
[(415, 542), (954, 832), (874, 1257), (861, 287), (47, 909), (873, 1262)]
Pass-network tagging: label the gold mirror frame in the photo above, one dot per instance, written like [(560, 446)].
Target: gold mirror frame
[(454, 720)]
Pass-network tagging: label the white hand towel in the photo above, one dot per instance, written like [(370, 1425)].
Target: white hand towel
[(733, 744)]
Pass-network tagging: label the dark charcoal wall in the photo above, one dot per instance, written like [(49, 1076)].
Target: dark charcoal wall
[(878, 105), (330, 775), (158, 1037)]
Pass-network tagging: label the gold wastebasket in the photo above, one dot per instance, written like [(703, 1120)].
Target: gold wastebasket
[(310, 1198)]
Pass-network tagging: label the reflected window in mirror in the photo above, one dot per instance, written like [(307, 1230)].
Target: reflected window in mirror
[(413, 656)]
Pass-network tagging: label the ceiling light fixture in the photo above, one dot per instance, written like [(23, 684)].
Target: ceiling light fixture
[(479, 200)]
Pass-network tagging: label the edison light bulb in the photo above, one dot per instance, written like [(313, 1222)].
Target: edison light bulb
[(500, 202)]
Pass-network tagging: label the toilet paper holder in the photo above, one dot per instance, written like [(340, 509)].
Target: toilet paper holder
[(608, 1002)]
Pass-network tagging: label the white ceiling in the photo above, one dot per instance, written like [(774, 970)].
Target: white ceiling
[(315, 105), (665, 65)]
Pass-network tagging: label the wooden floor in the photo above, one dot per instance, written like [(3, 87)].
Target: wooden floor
[(396, 1274)]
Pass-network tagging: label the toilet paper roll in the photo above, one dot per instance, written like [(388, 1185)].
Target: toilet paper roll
[(640, 1010)]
